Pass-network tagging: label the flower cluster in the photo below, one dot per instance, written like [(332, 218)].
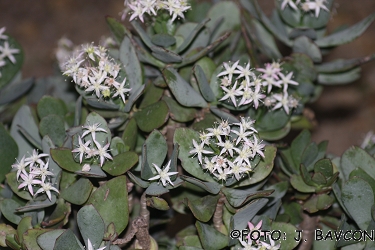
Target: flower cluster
[(228, 149), (93, 70), (253, 239), (5, 50), (33, 171), (95, 152), (306, 5), (176, 8), (242, 86)]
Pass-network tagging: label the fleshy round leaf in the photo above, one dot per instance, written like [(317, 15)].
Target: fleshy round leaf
[(67, 241), (15, 89), (157, 203), (78, 192), (356, 157), (152, 117), (152, 95), (211, 239), (131, 63), (24, 119), (90, 225), (304, 45), (156, 189), (357, 191), (9, 152), (53, 126), (340, 78), (121, 163), (299, 184), (49, 105), (211, 187), (178, 112), (238, 197), (163, 40), (289, 234), (111, 201), (64, 158), (47, 240), (95, 172), (182, 91), (5, 230), (8, 210), (30, 238), (128, 136), (23, 226), (184, 138), (203, 208), (318, 202), (35, 205), (341, 65), (192, 35)]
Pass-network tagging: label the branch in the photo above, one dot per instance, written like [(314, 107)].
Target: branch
[(218, 215)]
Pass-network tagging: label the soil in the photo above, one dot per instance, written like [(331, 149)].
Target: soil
[(344, 113)]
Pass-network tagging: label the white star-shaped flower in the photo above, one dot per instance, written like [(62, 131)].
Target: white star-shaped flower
[(163, 175), (102, 152), (199, 150), (93, 129), (82, 148), (120, 90), (47, 188), (7, 51), (229, 70)]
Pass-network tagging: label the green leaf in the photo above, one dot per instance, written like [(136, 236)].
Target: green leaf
[(275, 135), (5, 230), (357, 191), (151, 96), (53, 126), (121, 163), (224, 115), (155, 188), (64, 158), (23, 226), (157, 203), (340, 78), (184, 138), (306, 46), (67, 241), (131, 63), (181, 90), (24, 119), (265, 40), (341, 65), (165, 55), (30, 238), (117, 146), (95, 172), (359, 172), (38, 204), (211, 187), (11, 179), (291, 16), (318, 202), (11, 241), (203, 84), (128, 136), (90, 225), (156, 151), (152, 117), (9, 151), (356, 157), (289, 234), (111, 201), (47, 240), (325, 167), (238, 197), (137, 180), (15, 89), (8, 209), (210, 237), (163, 40), (178, 112), (321, 21), (299, 184), (117, 29), (272, 120), (203, 208), (191, 38), (298, 146), (9, 70), (262, 170), (346, 35), (101, 104), (78, 192), (49, 105)]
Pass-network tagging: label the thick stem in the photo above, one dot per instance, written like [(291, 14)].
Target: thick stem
[(144, 213), (218, 215), (308, 227)]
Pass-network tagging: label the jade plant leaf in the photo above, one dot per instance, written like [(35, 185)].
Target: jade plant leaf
[(121, 163), (299, 184), (192, 38), (289, 232), (152, 95), (203, 208), (78, 192), (306, 46), (67, 241), (178, 112), (356, 157), (211, 187), (320, 21), (15, 89), (9, 151), (184, 138), (64, 158), (111, 201), (182, 91), (30, 238), (157, 203), (131, 63), (211, 239), (318, 202), (346, 35), (341, 65), (53, 126), (8, 210), (265, 40), (340, 78), (49, 105), (163, 40), (156, 188), (274, 120), (23, 226), (5, 230), (117, 146), (117, 29), (128, 136), (357, 191), (24, 119), (152, 117), (90, 225), (37, 204), (95, 172), (238, 197), (47, 240)]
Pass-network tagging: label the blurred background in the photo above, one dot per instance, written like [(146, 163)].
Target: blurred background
[(344, 113)]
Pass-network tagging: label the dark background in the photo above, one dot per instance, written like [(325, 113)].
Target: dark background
[(344, 113)]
